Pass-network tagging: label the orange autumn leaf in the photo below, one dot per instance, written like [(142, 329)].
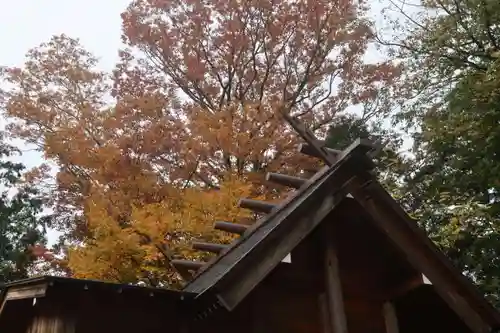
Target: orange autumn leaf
[(120, 253)]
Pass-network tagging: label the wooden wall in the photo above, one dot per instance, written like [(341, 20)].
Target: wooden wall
[(66, 310)]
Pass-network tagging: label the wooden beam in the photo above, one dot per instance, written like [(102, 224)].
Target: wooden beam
[(330, 157), (3, 301), (309, 137), (451, 285), (310, 171), (335, 298), (390, 317), (290, 181), (257, 205), (231, 227), (209, 247), (21, 292), (187, 264), (309, 150), (324, 314)]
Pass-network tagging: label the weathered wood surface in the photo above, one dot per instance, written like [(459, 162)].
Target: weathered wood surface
[(333, 286), (262, 249), (187, 264), (52, 317), (209, 247), (285, 180), (32, 291), (71, 305), (309, 150), (257, 205), (15, 316), (370, 269), (308, 136), (391, 318), (234, 228)]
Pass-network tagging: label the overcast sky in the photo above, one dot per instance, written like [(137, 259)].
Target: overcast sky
[(27, 23)]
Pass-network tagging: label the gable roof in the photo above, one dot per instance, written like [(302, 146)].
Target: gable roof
[(231, 276), (282, 230), (280, 226)]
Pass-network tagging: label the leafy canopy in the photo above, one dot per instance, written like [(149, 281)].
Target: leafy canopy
[(22, 222)]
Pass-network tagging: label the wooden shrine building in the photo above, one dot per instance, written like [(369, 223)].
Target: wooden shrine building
[(358, 264)]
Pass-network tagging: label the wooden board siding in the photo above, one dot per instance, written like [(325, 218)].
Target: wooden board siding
[(90, 307), (51, 317)]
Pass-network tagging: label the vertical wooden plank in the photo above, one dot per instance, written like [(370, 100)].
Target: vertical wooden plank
[(391, 320), (3, 301), (324, 315), (51, 317), (334, 290)]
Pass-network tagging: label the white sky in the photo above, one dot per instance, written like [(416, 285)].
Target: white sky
[(26, 23)]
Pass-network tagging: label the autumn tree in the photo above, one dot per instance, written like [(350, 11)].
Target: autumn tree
[(229, 68), (190, 117), (110, 186), (117, 253), (57, 102)]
